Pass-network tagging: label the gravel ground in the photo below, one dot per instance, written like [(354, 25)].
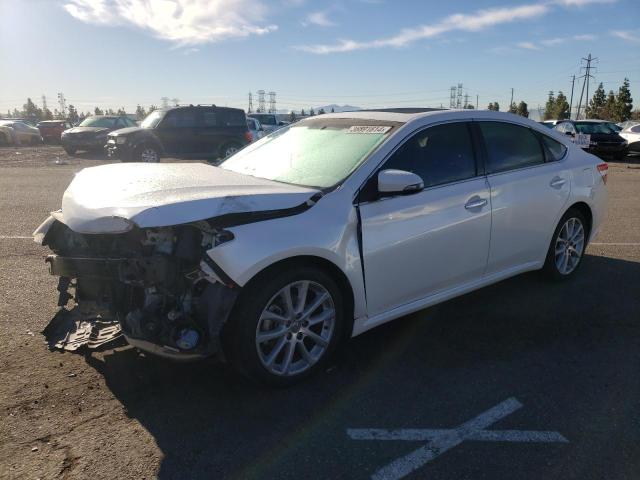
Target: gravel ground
[(568, 353)]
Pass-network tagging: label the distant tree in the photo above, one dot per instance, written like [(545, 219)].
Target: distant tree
[(490, 106), (292, 116), (302, 114), (624, 103), (46, 114), (121, 111), (140, 113), (333, 110), (311, 112), (549, 107), (72, 115), (8, 113), (97, 111), (597, 104), (513, 108), (635, 115), (109, 111), (522, 109), (31, 110), (561, 107), (609, 110), (468, 106), (496, 106), (152, 108), (16, 113), (321, 111)]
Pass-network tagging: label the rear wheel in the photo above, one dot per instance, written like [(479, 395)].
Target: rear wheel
[(229, 149), (567, 246), (285, 326)]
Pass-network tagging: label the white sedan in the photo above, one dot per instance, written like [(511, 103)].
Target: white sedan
[(318, 232)]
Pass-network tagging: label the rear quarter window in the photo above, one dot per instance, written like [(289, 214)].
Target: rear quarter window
[(554, 149), (231, 118)]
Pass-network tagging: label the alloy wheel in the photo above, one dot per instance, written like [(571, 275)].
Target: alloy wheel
[(295, 328), (149, 155), (569, 246)]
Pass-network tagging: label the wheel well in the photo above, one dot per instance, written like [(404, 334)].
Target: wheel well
[(324, 264), (585, 210)]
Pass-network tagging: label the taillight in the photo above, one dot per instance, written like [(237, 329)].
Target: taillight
[(248, 136), (603, 168)]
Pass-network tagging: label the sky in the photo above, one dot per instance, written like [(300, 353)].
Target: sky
[(367, 53)]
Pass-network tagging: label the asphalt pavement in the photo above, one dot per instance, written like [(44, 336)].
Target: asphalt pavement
[(523, 379)]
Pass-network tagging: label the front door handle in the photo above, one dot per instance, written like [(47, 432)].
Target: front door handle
[(557, 182), (475, 202)]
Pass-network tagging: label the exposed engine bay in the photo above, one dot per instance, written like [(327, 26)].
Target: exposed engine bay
[(157, 286)]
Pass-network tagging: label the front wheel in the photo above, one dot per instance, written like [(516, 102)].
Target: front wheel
[(147, 154), (69, 150), (567, 246), (285, 326)]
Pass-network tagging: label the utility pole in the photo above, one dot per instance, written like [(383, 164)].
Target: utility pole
[(477, 102), (452, 97), (573, 80), (585, 82), (261, 103), (62, 102), (272, 102), (250, 110), (459, 96), (511, 103)]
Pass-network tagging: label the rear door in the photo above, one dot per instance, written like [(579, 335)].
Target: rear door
[(530, 187), (424, 243)]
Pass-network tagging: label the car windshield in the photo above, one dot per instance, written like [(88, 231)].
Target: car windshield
[(152, 120), (101, 122), (592, 127), (317, 153)]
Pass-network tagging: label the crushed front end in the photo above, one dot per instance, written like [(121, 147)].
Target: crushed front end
[(157, 286)]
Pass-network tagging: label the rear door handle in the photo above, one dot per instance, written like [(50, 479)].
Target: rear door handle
[(557, 182), (475, 202)]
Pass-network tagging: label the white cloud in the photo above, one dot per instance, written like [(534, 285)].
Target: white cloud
[(627, 36), (528, 46), (474, 22), (320, 19), (581, 3), (184, 22)]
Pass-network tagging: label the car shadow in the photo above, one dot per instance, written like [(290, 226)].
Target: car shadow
[(209, 423)]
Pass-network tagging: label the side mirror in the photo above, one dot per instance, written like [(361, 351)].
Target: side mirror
[(399, 181)]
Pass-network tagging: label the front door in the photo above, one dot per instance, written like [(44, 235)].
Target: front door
[(420, 244)]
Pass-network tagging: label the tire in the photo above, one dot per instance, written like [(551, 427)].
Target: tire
[(261, 309), (556, 266), (70, 150), (146, 154), (229, 149)]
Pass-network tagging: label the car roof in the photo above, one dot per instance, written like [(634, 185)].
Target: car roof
[(413, 114)]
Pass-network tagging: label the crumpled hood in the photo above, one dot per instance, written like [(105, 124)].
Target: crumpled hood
[(164, 194)]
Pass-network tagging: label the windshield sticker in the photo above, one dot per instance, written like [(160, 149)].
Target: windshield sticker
[(368, 129)]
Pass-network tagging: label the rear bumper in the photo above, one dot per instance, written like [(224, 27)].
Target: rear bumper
[(600, 149)]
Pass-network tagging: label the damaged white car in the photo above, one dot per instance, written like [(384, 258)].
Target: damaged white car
[(318, 232)]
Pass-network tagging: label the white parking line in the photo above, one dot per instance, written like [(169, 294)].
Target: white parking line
[(630, 244), (441, 440), (14, 237)]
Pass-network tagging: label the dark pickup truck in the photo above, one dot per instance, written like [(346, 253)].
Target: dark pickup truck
[(193, 131)]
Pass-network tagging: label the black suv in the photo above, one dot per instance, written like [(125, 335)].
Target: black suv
[(603, 140), (193, 131)]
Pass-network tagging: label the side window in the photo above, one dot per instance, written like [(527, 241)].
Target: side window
[(555, 150), (180, 119), (209, 118), (510, 146), (440, 154)]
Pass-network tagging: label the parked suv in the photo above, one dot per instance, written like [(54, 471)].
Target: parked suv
[(269, 121), (206, 132), (603, 141)]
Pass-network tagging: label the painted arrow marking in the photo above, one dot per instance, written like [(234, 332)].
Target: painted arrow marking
[(441, 440)]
